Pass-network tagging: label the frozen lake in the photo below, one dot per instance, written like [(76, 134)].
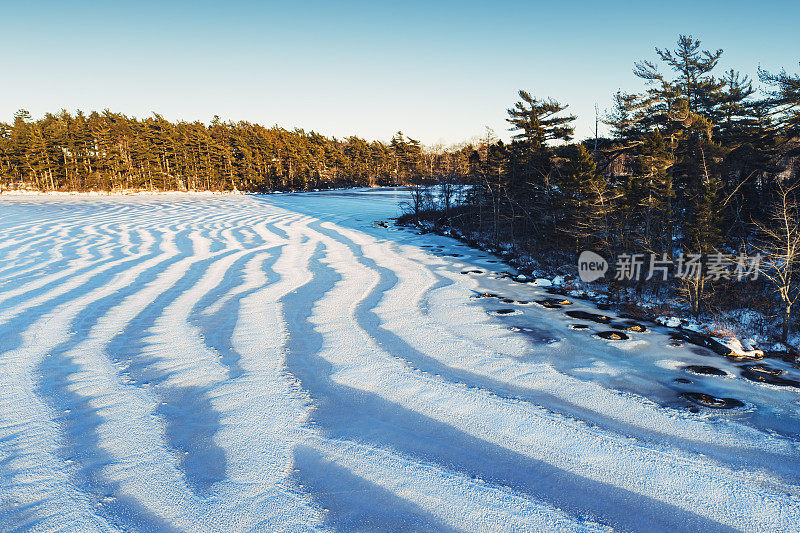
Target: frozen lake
[(265, 363)]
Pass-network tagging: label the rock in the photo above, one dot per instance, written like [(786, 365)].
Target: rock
[(481, 295), (670, 322), (556, 290), (542, 282), (749, 344), (522, 277), (706, 342), (739, 350), (553, 302)]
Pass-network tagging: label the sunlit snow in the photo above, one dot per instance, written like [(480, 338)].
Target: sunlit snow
[(281, 362)]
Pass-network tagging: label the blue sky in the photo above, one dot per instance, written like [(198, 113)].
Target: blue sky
[(438, 71)]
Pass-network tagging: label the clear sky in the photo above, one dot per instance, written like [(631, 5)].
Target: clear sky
[(438, 71)]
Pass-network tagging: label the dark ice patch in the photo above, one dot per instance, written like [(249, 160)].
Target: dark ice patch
[(707, 400), (613, 335), (704, 369), (771, 379), (764, 369), (547, 304), (594, 317)]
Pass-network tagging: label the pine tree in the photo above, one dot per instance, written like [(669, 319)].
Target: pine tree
[(527, 188), (693, 66), (538, 121), (630, 118), (734, 114), (785, 100), (653, 194), (577, 186)]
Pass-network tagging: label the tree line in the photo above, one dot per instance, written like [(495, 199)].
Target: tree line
[(697, 162), (111, 151)]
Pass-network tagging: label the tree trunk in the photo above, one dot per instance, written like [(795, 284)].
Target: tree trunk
[(787, 315)]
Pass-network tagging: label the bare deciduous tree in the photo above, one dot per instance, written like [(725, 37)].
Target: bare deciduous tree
[(780, 250)]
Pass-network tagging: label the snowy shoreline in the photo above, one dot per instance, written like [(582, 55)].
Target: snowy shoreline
[(746, 345)]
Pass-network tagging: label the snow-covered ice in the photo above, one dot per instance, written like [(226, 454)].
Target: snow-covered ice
[(264, 363)]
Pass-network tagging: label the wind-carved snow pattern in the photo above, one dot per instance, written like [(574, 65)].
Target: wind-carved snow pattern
[(207, 363)]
